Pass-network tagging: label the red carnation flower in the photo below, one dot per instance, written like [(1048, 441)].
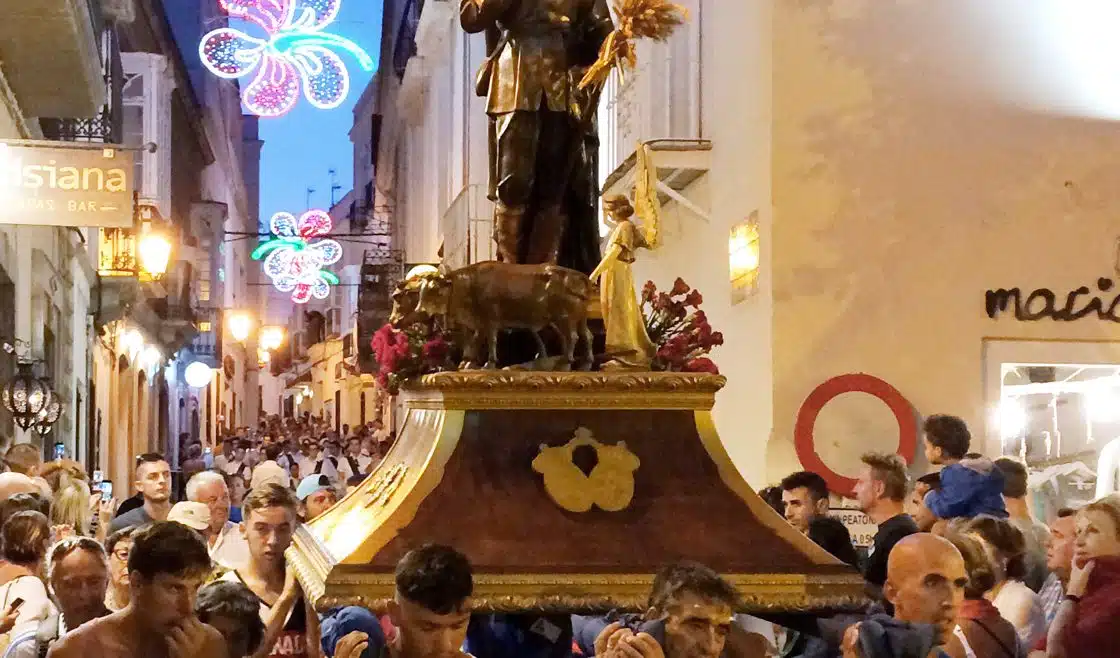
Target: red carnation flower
[(435, 350), (701, 364), (679, 287), (648, 292), (694, 299)]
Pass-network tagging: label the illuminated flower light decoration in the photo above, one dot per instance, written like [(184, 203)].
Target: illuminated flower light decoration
[(297, 53), (294, 259)]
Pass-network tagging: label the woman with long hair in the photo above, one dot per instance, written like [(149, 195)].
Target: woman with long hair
[(71, 506)]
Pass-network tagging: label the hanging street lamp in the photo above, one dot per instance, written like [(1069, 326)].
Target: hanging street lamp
[(50, 414), (26, 396)]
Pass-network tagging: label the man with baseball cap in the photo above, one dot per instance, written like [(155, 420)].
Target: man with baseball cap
[(315, 496)]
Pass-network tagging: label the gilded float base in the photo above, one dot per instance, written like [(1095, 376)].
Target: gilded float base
[(491, 463)]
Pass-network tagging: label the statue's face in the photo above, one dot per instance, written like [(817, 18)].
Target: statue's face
[(406, 299), (435, 296)]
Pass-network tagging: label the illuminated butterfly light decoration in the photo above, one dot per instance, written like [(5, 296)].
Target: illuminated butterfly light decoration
[(297, 53), (294, 258)]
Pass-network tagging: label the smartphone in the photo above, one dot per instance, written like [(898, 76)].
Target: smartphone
[(106, 490), (60, 450), (15, 604)]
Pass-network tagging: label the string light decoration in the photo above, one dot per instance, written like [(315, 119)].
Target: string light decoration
[(297, 253), (298, 53)]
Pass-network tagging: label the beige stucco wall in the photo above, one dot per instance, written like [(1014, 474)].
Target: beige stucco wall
[(906, 182), (736, 79)]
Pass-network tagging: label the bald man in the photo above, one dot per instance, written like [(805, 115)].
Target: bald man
[(925, 582)]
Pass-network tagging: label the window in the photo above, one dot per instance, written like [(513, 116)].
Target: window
[(375, 141), (133, 119)]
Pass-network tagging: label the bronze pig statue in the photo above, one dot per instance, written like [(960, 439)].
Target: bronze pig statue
[(482, 299)]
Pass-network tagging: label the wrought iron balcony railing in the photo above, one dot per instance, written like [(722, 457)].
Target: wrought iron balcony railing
[(108, 126)]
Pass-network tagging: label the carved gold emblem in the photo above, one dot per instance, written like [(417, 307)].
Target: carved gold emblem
[(383, 488), (609, 486)]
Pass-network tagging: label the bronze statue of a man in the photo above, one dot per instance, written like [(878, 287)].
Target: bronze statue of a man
[(542, 125)]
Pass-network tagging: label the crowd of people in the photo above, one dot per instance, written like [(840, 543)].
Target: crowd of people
[(958, 568), (990, 579)]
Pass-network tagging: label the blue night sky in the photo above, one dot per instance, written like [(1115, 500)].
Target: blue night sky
[(300, 147)]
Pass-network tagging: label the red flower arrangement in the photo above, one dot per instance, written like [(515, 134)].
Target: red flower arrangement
[(403, 354), (679, 329)]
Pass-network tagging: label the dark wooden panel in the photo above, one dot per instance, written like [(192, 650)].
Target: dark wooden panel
[(493, 506)]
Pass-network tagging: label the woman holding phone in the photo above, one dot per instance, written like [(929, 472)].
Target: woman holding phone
[(25, 538)]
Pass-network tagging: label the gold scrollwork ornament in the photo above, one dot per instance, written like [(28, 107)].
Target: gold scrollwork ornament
[(609, 486)]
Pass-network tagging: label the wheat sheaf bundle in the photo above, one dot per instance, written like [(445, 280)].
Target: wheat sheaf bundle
[(637, 19)]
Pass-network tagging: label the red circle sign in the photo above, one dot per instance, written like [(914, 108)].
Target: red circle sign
[(805, 443)]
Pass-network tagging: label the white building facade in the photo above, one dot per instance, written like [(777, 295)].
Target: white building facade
[(844, 189)]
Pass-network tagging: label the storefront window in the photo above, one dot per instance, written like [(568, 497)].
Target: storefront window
[(1056, 406)]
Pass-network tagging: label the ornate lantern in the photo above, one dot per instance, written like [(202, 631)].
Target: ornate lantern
[(46, 419), (26, 396)]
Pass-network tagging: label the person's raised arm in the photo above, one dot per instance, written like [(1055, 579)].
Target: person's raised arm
[(1067, 613)]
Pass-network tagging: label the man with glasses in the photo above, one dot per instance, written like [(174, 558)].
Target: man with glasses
[(153, 480)]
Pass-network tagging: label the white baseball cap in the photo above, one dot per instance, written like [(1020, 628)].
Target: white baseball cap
[(193, 515)]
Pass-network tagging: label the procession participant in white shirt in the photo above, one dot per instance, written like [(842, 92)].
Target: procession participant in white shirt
[(356, 462), (270, 470), (238, 463), (332, 457), (226, 543)]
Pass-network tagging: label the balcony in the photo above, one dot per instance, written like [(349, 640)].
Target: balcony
[(468, 228), (51, 50), (678, 164), (107, 127), (206, 346)]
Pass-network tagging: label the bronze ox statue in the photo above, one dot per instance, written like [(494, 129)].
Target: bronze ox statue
[(482, 299)]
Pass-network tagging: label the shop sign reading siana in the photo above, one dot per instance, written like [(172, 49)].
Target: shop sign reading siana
[(46, 183)]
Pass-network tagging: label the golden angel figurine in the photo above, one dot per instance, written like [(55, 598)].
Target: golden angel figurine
[(628, 344)]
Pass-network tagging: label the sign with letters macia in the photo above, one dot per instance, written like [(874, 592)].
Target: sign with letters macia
[(56, 184)]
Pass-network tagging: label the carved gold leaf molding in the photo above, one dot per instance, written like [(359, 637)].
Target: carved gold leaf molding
[(507, 389)]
